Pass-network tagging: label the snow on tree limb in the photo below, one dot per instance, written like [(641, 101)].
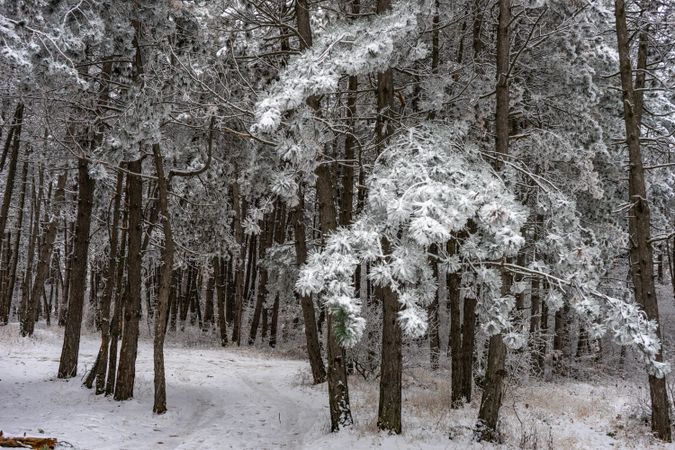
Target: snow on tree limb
[(358, 47)]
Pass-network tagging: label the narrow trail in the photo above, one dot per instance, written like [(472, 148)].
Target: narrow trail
[(217, 398)]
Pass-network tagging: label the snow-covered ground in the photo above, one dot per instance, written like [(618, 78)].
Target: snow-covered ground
[(245, 398)]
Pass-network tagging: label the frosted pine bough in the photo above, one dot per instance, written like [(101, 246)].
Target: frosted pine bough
[(425, 189)]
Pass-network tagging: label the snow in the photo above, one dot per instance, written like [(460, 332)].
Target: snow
[(244, 398)]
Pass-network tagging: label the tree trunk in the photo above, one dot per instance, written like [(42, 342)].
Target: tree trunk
[(220, 271), (491, 400), (45, 254), (239, 261), (36, 203), (106, 299), (455, 338), (165, 278), (639, 222), (432, 310), (306, 303), (126, 372), (13, 250), (209, 308), (78, 276), (13, 161), (265, 242)]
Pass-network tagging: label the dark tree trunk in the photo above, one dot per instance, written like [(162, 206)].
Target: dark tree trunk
[(13, 251), (455, 338), (126, 372), (238, 266), (432, 310), (491, 400), (535, 324), (306, 303), (639, 222), (391, 368), (274, 322), (15, 139), (209, 307), (221, 272), (165, 278), (389, 409), (78, 275)]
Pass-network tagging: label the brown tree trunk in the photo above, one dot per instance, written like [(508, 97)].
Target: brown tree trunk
[(306, 303), (491, 400), (455, 338), (639, 222), (535, 324), (126, 371), (78, 276), (389, 409), (432, 311), (165, 278)]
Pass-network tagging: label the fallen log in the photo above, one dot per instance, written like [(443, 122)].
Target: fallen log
[(27, 442)]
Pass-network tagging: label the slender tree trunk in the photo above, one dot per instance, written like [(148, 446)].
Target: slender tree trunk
[(389, 409), (238, 265), (491, 400), (639, 222), (455, 338), (13, 250), (535, 325), (45, 254), (106, 299), (209, 307), (78, 276), (13, 161), (68, 238), (265, 242), (306, 303), (36, 203), (164, 285), (221, 272), (120, 295), (432, 310), (126, 372)]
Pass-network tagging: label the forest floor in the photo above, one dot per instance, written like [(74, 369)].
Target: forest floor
[(244, 398)]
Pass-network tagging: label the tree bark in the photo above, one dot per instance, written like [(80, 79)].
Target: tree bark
[(432, 311), (455, 338), (165, 278), (639, 222), (78, 276), (306, 303), (126, 372), (491, 400)]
